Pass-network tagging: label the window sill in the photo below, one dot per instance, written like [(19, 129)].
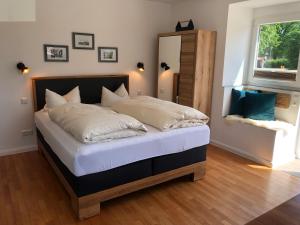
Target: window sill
[(276, 74)]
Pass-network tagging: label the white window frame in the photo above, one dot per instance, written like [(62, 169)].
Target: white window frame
[(265, 82)]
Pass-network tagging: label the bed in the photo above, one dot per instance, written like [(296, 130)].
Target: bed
[(98, 172)]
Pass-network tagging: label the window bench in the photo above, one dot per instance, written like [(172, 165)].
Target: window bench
[(271, 125), (280, 133)]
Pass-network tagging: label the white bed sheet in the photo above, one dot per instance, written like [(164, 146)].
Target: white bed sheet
[(82, 159)]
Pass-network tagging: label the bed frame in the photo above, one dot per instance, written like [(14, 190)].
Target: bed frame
[(160, 169)]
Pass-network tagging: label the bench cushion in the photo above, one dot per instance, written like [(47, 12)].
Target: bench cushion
[(276, 125), (237, 101), (260, 106)]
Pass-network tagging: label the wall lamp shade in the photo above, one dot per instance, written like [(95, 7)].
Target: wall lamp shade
[(140, 66), (24, 69), (164, 66)]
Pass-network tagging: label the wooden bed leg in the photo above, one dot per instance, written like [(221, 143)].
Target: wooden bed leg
[(199, 173), (89, 211), (85, 211)]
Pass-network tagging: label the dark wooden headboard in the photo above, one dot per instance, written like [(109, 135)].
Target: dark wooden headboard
[(90, 87)]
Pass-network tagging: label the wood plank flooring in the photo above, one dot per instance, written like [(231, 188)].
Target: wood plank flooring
[(234, 191), (285, 214)]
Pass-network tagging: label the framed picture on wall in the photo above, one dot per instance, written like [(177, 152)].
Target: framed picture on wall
[(83, 41), (108, 54), (56, 53)]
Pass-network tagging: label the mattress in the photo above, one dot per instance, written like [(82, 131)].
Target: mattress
[(82, 159)]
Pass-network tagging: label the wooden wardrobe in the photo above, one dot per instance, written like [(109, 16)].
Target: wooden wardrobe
[(190, 56)]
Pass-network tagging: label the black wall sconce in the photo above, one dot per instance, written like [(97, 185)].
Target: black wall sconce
[(140, 66), (24, 69), (164, 66)]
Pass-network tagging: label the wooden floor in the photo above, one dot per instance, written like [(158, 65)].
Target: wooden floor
[(234, 191), (286, 214)]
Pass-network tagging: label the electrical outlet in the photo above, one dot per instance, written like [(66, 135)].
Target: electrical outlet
[(162, 91), (295, 100), (28, 132), (24, 100), (139, 92)]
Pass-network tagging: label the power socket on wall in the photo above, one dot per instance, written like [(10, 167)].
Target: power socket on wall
[(295, 100)]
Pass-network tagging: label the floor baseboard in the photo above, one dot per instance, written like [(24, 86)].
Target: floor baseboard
[(239, 152), (13, 151)]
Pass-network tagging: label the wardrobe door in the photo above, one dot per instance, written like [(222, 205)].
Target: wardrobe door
[(187, 69), (204, 71), (169, 53)]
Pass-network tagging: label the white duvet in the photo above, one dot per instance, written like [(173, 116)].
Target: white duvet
[(91, 123), (161, 114)]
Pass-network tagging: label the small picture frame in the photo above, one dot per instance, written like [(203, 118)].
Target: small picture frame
[(83, 41), (56, 53), (108, 54)]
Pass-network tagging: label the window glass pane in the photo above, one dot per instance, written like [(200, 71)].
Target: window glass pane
[(278, 50)]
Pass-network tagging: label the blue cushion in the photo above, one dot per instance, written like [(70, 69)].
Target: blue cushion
[(260, 106), (237, 101)]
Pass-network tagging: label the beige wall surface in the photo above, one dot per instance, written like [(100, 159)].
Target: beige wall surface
[(17, 10), (130, 25)]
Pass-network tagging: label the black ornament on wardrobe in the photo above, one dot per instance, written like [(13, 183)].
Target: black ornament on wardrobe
[(189, 26)]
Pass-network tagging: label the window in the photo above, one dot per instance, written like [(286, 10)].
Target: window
[(274, 60), (278, 51)]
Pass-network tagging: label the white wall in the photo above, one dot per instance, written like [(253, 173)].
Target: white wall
[(277, 10), (238, 39), (17, 10), (130, 25)]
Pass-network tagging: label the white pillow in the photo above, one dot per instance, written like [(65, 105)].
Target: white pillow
[(121, 91), (73, 96), (108, 98), (53, 99)]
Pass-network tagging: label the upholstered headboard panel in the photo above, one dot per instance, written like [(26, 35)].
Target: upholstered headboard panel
[(90, 87)]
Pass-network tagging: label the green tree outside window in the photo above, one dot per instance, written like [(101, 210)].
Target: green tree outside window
[(279, 45)]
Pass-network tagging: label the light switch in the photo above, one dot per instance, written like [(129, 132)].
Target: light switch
[(28, 132), (24, 100)]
